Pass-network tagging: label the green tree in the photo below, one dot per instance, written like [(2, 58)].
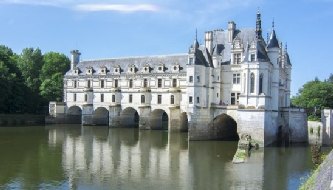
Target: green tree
[(52, 89), (30, 63), (53, 70), (11, 86), (314, 96), (54, 63)]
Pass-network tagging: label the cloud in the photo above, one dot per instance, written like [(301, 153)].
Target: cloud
[(36, 2), (117, 7)]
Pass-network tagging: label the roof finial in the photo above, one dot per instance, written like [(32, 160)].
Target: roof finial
[(286, 47), (273, 24), (258, 25), (196, 34)]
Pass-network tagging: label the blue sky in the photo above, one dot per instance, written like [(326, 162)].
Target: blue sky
[(110, 28)]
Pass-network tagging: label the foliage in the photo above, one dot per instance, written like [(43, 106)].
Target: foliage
[(52, 72), (315, 96), (29, 80), (30, 63), (54, 63), (52, 89), (313, 118)]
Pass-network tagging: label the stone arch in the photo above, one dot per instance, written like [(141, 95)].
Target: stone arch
[(101, 116), (129, 118), (159, 119), (74, 110), (223, 127), (183, 121), (74, 115)]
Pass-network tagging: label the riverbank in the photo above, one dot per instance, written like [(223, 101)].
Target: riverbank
[(21, 119), (322, 177)]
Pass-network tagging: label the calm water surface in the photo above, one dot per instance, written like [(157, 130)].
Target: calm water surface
[(75, 157)]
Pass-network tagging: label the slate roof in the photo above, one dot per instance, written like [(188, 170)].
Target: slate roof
[(153, 61), (246, 36), (273, 42)]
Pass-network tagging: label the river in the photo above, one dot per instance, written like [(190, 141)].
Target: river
[(97, 157)]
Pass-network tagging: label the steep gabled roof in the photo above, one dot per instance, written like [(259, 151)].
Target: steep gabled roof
[(273, 42)]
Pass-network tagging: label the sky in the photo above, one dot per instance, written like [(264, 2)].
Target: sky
[(119, 28)]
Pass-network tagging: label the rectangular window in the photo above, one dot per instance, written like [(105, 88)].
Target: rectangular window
[(198, 78), (130, 98), (190, 79), (113, 98), (116, 83), (190, 100), (131, 83), (253, 57), (190, 61), (172, 99), (145, 83), (159, 83), (102, 97), (74, 97), (235, 98), (85, 97), (143, 99), (174, 82), (236, 78), (217, 95), (88, 84), (198, 100), (159, 99), (237, 58), (75, 84), (102, 83)]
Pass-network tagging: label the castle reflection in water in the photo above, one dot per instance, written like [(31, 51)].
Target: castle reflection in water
[(109, 158)]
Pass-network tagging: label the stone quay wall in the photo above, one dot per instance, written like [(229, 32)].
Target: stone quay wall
[(21, 119)]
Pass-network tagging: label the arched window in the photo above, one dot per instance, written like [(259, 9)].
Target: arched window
[(252, 83), (102, 97), (261, 78), (143, 99), (172, 99)]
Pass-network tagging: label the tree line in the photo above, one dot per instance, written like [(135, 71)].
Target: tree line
[(29, 80), (314, 96)]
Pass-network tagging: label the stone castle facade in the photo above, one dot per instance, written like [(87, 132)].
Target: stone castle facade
[(235, 73)]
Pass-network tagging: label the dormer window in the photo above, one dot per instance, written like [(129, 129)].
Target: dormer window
[(103, 70), (253, 57), (175, 68), (237, 58), (146, 69), (117, 69), (76, 71), (131, 69), (160, 68), (89, 71), (190, 61)]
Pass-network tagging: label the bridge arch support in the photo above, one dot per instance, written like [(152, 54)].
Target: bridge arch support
[(101, 116)]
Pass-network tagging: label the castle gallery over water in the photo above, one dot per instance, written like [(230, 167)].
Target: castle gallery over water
[(235, 83)]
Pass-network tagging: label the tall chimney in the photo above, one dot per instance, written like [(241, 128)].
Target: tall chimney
[(209, 41), (75, 59), (231, 31)]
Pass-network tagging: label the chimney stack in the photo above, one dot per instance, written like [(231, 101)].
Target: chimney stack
[(231, 31), (75, 59)]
